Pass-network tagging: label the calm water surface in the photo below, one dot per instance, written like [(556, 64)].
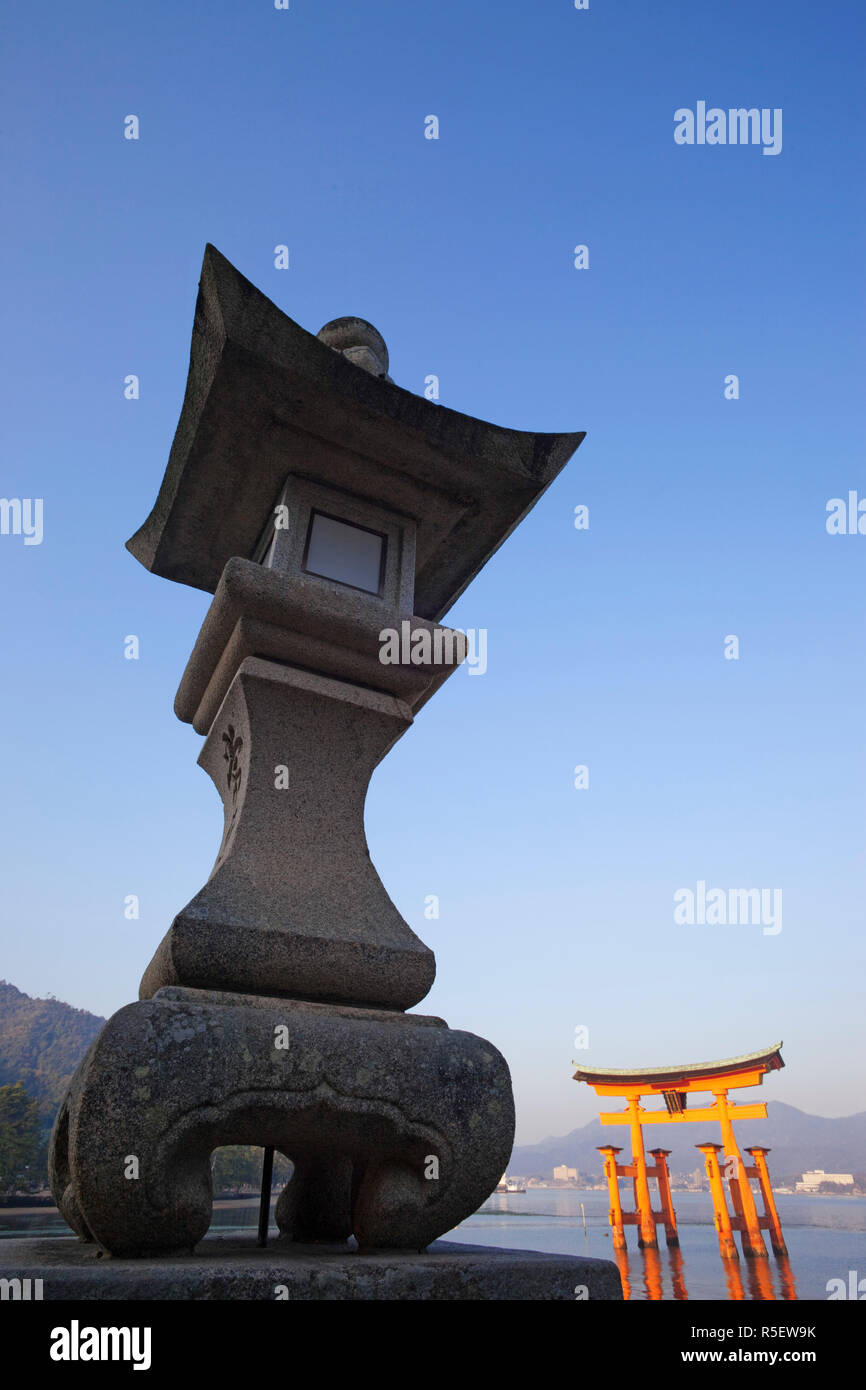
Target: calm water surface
[(826, 1237)]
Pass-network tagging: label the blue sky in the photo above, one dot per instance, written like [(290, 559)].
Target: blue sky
[(606, 646)]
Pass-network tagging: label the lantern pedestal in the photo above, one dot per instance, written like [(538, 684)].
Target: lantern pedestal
[(271, 1013), (294, 904), (398, 1127)]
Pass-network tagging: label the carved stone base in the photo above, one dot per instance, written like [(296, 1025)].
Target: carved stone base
[(231, 1268), (398, 1127)]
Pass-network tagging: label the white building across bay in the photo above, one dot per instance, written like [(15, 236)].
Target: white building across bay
[(813, 1180)]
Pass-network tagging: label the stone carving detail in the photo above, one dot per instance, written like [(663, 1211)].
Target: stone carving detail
[(234, 744)]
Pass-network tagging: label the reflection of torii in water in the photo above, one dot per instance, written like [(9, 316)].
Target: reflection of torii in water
[(645, 1276), (675, 1084)]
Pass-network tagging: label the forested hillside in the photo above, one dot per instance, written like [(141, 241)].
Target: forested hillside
[(41, 1043)]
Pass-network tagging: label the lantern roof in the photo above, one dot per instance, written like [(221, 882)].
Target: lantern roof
[(266, 399)]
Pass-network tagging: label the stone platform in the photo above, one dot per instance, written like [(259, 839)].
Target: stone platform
[(233, 1268)]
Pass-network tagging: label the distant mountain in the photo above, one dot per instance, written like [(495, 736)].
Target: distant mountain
[(41, 1043), (799, 1142)]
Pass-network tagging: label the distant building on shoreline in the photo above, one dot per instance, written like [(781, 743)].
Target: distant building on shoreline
[(812, 1181)]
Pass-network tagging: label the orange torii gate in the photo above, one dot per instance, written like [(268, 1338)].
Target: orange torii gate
[(675, 1085)]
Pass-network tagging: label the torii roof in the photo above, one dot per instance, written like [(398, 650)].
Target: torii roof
[(264, 398), (769, 1059)]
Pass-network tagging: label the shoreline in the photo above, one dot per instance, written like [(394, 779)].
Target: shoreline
[(38, 1208)]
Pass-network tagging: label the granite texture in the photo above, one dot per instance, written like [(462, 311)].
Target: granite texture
[(229, 1267), (294, 904), (399, 1127), (295, 619)]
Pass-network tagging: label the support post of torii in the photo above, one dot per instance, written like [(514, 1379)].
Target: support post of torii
[(738, 1183), (612, 1172), (662, 1176), (619, 1219), (762, 1173), (642, 1204), (721, 1215)]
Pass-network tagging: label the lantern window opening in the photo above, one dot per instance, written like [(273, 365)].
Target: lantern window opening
[(340, 540), (336, 549)]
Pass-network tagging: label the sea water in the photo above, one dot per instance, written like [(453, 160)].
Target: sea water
[(826, 1239), (825, 1236)]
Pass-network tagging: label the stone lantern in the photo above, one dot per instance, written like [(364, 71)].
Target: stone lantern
[(323, 507)]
